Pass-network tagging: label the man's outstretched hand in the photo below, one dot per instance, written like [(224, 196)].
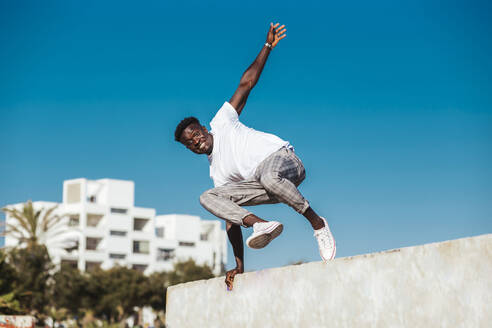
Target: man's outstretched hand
[(229, 280), (275, 34)]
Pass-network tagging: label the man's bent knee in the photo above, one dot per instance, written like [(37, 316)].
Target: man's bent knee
[(206, 197), (221, 207)]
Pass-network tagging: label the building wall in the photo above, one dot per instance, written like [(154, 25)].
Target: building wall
[(196, 239), (112, 230)]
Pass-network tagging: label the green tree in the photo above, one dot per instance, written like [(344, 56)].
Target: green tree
[(9, 304), (31, 287), (69, 291), (189, 271), (113, 294), (7, 274), (155, 291)]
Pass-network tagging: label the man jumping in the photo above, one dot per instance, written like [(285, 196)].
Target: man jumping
[(249, 167)]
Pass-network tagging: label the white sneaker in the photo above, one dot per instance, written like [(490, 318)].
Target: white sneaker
[(326, 242), (264, 233)]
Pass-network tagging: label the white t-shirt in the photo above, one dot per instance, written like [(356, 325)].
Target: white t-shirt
[(237, 149)]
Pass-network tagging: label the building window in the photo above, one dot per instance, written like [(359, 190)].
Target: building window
[(117, 256), (141, 247), (159, 232), (165, 254), (186, 243), (204, 236), (74, 220), (91, 266), (140, 267), (118, 210), (69, 263), (93, 220), (139, 224), (92, 243), (117, 233)]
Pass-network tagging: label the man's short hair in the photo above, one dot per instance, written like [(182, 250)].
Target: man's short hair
[(182, 125)]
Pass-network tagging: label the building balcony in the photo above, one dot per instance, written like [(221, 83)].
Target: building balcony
[(94, 220), (93, 244), (94, 232), (165, 254), (165, 243), (143, 212), (92, 265), (140, 267), (95, 208), (142, 224), (74, 256), (119, 222), (141, 235), (72, 208), (95, 255), (139, 258), (70, 262)]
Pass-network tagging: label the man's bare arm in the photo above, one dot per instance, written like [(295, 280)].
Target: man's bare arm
[(252, 74), (236, 238)]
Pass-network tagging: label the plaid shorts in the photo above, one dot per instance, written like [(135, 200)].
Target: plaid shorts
[(275, 181)]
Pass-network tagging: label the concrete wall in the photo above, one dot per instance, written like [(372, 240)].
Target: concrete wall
[(446, 284)]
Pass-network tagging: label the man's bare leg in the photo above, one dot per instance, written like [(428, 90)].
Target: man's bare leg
[(252, 219), (314, 219)]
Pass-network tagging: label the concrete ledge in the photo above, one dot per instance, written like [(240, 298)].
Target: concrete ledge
[(447, 284)]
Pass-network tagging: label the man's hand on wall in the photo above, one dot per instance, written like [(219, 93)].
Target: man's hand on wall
[(229, 280), (275, 34)]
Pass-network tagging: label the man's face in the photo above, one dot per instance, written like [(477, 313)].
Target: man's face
[(197, 139)]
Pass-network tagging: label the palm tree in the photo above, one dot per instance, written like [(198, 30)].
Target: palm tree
[(39, 227)]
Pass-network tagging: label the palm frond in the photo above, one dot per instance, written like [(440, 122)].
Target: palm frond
[(16, 214), (48, 218), (30, 216), (31, 225), (13, 228)]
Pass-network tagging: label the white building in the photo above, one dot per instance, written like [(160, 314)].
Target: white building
[(106, 228)]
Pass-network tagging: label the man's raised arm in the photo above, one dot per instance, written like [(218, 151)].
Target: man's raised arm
[(252, 74)]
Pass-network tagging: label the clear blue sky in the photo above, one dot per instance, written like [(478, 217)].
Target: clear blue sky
[(388, 104)]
